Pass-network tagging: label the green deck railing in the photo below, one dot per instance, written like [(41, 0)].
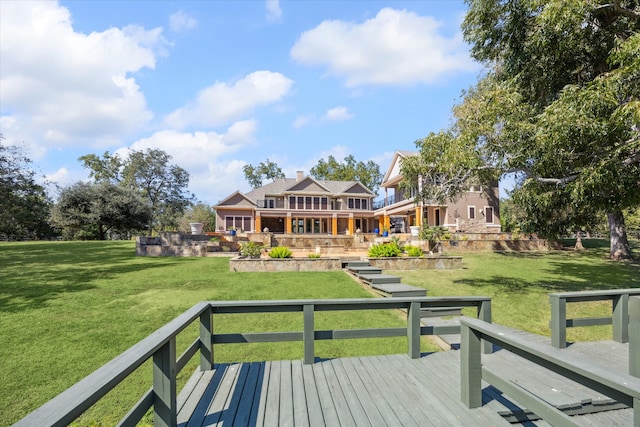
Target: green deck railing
[(161, 348), (619, 313), (622, 388)]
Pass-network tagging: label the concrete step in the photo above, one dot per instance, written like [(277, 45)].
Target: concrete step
[(365, 270), (440, 311), (349, 264), (398, 290), (379, 279)]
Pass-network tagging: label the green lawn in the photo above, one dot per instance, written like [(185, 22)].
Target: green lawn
[(67, 308)]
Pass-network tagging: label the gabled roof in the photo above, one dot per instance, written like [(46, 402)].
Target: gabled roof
[(394, 166), (237, 199), (306, 185)]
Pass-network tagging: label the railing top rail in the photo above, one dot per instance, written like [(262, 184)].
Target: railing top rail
[(65, 407), (509, 339), (349, 301), (603, 293)]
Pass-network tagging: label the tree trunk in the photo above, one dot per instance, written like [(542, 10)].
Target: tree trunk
[(618, 244)]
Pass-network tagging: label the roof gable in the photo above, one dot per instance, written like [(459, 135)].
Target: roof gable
[(308, 185), (393, 172), (236, 199)]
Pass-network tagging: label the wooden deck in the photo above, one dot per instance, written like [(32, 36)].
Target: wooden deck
[(392, 390)]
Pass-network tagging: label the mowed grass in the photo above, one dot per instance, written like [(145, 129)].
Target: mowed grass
[(66, 308)]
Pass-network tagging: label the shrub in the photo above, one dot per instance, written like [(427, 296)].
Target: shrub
[(250, 249), (413, 250), (280, 252), (384, 250), (436, 233), (314, 255)]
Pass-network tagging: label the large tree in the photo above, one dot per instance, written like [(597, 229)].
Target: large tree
[(95, 211), (150, 173), (559, 107), (24, 203), (368, 174), (255, 175)]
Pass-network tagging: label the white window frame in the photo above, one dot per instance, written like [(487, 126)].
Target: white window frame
[(471, 209)]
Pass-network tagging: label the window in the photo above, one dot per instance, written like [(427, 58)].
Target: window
[(238, 222), (357, 203), (472, 212), (488, 214), (270, 203)]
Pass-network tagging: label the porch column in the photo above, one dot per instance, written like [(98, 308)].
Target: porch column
[(419, 216), (352, 231), (386, 222), (258, 228), (287, 226), (334, 225)]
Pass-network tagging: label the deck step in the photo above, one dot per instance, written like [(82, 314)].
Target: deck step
[(399, 290), (379, 279), (348, 264)]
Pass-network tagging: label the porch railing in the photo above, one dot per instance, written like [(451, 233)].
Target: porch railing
[(622, 388), (619, 313), (161, 348)]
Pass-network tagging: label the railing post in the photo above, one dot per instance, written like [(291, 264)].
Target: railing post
[(484, 314), (413, 330), (558, 322), (308, 334), (206, 339), (470, 367), (620, 318), (164, 386), (634, 342)]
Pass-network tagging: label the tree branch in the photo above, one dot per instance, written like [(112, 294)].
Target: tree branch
[(612, 11)]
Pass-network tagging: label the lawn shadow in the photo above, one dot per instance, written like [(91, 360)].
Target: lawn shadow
[(34, 274)]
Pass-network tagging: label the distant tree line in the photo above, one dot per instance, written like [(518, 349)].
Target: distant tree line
[(143, 193)]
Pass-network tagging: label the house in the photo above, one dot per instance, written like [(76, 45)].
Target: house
[(303, 205), (477, 210)]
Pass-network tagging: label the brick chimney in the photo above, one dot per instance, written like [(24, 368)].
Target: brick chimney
[(299, 175)]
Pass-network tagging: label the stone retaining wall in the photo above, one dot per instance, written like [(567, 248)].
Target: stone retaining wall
[(264, 265), (418, 263)]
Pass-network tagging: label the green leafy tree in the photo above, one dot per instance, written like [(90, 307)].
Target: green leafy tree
[(368, 174), (559, 107), (200, 212), (95, 211), (255, 175), (24, 204), (148, 172)]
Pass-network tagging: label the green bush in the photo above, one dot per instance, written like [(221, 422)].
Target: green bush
[(384, 250), (250, 249), (313, 255), (280, 252), (413, 250), (436, 233)]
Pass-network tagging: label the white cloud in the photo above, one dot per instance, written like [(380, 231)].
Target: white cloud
[(222, 103), (302, 121), (180, 22), (205, 156), (338, 114), (396, 47), (62, 87), (274, 13)]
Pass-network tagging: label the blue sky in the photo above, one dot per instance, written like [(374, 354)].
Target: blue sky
[(221, 84)]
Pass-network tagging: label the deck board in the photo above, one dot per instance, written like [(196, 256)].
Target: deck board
[(389, 390)]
